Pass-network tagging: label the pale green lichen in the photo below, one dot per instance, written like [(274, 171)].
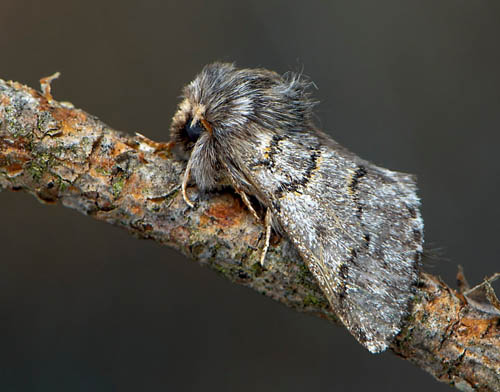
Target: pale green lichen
[(257, 269), (38, 166), (13, 125), (42, 120), (62, 184), (304, 277), (103, 171), (221, 270), (118, 186), (315, 301), (311, 300)]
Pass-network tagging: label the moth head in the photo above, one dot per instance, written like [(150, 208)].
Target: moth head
[(226, 110), (224, 102), (189, 125)]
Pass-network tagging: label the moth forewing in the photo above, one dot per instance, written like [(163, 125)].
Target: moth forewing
[(357, 227)]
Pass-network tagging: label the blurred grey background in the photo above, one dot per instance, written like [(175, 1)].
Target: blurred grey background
[(411, 86)]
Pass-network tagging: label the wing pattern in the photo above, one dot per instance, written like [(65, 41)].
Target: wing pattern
[(357, 226)]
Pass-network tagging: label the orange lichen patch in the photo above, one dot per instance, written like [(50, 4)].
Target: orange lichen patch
[(474, 328), (13, 146), (141, 158), (226, 212), (165, 154), (440, 302), (66, 114), (205, 220), (4, 100), (99, 171), (156, 200), (13, 157), (100, 165), (136, 209), (14, 170), (119, 148), (133, 186), (69, 119)]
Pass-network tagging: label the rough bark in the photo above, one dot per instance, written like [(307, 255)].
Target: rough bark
[(62, 154)]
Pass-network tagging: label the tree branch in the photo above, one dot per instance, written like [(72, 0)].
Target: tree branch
[(62, 154)]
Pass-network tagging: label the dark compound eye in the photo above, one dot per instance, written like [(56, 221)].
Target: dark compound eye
[(193, 130)]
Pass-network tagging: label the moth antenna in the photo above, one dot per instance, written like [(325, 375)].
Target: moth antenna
[(267, 223)]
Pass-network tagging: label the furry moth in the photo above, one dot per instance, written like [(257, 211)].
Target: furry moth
[(356, 225)]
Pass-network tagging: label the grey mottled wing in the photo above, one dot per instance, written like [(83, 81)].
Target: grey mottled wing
[(357, 226)]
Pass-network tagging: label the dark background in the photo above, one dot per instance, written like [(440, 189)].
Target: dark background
[(412, 86)]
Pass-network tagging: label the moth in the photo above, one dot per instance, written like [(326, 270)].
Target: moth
[(356, 225)]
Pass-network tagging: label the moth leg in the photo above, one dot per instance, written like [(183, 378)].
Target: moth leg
[(184, 186), (267, 225), (246, 201)]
